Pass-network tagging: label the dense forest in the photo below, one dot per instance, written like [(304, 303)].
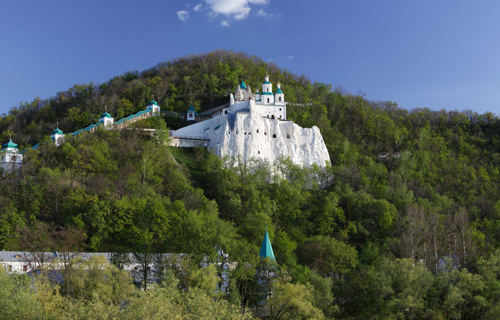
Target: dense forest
[(407, 227)]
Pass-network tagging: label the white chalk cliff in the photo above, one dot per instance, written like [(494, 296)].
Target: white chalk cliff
[(250, 136)]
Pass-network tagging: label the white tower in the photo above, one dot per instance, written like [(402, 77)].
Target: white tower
[(153, 105), (11, 158), (191, 114), (244, 91), (257, 95), (279, 97), (267, 96), (107, 120), (58, 136)]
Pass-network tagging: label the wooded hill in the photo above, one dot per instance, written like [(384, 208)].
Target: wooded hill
[(409, 229)]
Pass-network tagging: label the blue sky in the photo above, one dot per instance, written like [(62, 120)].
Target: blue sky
[(435, 54)]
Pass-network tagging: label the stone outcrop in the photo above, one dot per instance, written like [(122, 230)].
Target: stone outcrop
[(246, 136)]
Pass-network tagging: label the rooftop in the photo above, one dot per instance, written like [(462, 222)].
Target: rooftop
[(10, 144)]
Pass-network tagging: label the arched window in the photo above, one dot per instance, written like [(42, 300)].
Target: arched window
[(265, 133), (267, 100), (288, 136), (272, 117), (257, 130), (280, 100), (225, 111)]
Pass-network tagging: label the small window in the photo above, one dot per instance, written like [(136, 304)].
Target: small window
[(267, 100), (135, 268), (258, 152), (10, 268), (265, 133), (268, 89), (280, 108), (288, 136), (257, 130), (245, 133), (274, 136), (25, 268), (225, 111), (280, 100)]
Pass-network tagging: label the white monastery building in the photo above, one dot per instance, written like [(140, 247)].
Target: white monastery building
[(254, 126)]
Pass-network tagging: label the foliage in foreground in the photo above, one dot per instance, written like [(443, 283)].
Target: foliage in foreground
[(93, 298), (407, 228)]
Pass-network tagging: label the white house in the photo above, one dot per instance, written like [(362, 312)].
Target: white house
[(12, 159)]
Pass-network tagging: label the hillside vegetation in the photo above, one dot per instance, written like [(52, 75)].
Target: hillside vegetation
[(408, 228)]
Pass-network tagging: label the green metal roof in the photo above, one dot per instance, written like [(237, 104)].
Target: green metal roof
[(266, 251), (153, 102), (279, 91), (57, 131), (10, 144), (266, 82), (267, 93), (106, 115), (243, 85), (191, 109)]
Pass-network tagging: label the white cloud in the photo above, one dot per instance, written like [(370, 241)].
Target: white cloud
[(183, 15), (197, 7), (291, 57), (224, 23), (237, 9), (262, 13)]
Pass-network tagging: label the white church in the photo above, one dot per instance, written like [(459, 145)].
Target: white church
[(255, 126), (250, 127)]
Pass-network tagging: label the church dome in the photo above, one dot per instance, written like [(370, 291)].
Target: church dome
[(57, 131), (106, 115), (10, 144)]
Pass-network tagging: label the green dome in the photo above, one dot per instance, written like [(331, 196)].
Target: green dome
[(243, 85), (279, 91), (191, 109), (266, 82), (57, 131), (267, 93), (10, 144), (153, 102), (106, 115)]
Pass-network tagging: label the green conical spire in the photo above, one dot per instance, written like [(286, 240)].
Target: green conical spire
[(266, 251), (243, 85)]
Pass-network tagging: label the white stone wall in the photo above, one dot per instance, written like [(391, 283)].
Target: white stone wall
[(255, 137)]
